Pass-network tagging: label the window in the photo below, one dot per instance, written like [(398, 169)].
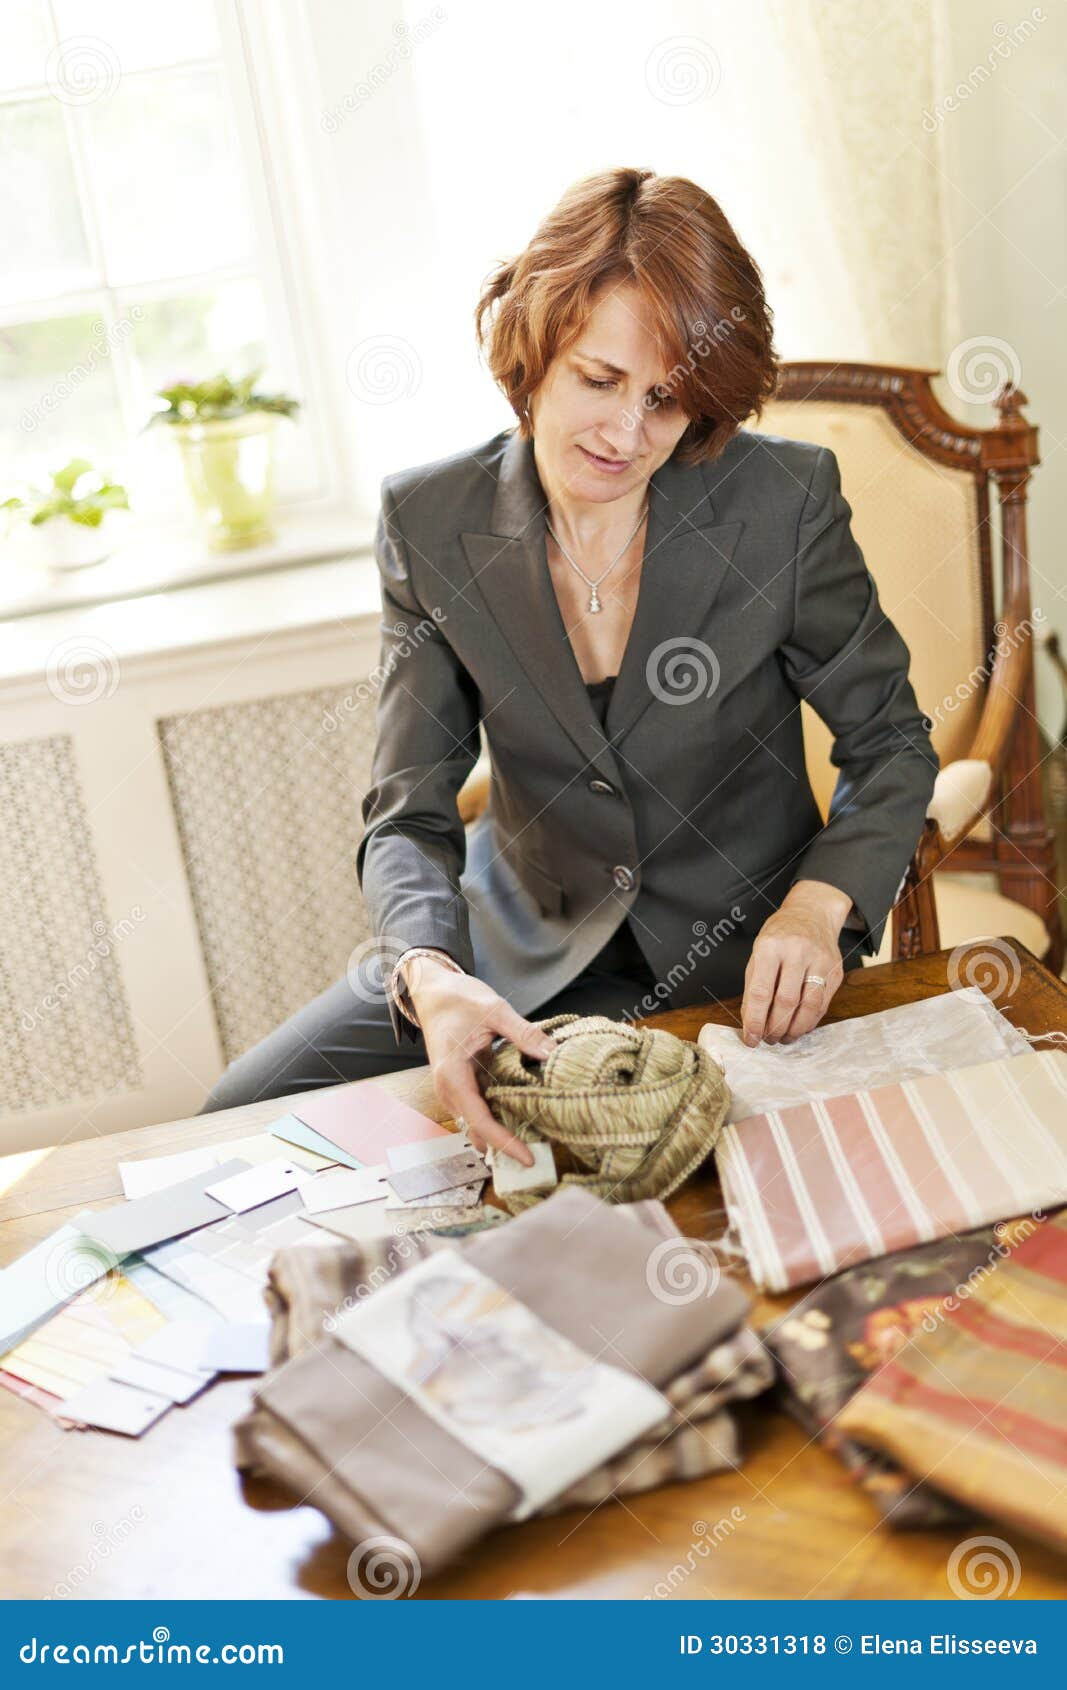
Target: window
[(137, 197)]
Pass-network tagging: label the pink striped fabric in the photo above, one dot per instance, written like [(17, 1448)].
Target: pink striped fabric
[(821, 1186)]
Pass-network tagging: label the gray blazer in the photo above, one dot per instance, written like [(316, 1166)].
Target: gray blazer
[(693, 812)]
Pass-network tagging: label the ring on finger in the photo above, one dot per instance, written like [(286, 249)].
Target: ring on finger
[(814, 980)]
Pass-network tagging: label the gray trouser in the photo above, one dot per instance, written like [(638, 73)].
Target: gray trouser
[(340, 1036)]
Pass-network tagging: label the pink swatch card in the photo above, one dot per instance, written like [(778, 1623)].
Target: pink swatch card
[(364, 1119)]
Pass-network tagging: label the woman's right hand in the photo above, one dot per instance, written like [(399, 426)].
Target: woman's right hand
[(460, 1016)]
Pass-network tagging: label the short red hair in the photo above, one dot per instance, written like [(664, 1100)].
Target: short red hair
[(704, 290)]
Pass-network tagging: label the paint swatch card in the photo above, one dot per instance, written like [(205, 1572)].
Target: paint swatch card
[(164, 1214), (365, 1119)]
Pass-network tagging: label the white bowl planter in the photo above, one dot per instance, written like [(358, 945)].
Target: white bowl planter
[(62, 544)]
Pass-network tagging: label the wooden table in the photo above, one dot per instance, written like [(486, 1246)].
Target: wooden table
[(168, 1515)]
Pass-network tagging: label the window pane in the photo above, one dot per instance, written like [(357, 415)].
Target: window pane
[(60, 396), (27, 43), (194, 335), (39, 201), (141, 34), (170, 191)]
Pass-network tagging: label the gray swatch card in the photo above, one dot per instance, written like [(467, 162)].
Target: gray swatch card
[(424, 1180), (163, 1214)]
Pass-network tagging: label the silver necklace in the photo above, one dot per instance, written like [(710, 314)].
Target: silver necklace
[(594, 597)]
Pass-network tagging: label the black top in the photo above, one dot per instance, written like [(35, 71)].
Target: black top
[(600, 694)]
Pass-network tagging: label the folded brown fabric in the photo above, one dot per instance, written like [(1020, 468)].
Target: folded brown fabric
[(343, 1437)]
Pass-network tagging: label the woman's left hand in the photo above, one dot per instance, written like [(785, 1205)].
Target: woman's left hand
[(799, 939)]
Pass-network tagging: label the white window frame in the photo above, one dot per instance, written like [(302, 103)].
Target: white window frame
[(267, 64)]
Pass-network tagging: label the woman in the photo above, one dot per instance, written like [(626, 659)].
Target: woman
[(629, 595)]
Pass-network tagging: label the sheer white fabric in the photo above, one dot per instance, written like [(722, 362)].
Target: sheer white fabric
[(954, 1030)]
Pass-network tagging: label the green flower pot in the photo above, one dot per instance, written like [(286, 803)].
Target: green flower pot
[(229, 466)]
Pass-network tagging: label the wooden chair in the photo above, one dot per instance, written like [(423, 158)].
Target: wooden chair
[(918, 483)]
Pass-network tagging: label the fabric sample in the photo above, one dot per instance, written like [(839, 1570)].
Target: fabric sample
[(497, 1378), (822, 1186), (954, 1030), (374, 1463), (844, 1329), (978, 1401), (639, 1106)]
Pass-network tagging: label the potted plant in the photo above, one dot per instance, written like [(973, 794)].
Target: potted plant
[(225, 431), (71, 523)]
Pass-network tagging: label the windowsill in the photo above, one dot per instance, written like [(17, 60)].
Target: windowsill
[(277, 589), (158, 558)]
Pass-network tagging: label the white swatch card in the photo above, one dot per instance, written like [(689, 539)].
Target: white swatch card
[(257, 1185), (182, 1344), (339, 1188), (152, 1376), (241, 1348), (498, 1378), (116, 1408), (359, 1223), (264, 1147), (155, 1173)]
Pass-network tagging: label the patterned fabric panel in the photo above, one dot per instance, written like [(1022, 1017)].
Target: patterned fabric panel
[(978, 1400), (821, 1186)]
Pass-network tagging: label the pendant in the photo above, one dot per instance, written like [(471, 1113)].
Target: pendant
[(594, 602)]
